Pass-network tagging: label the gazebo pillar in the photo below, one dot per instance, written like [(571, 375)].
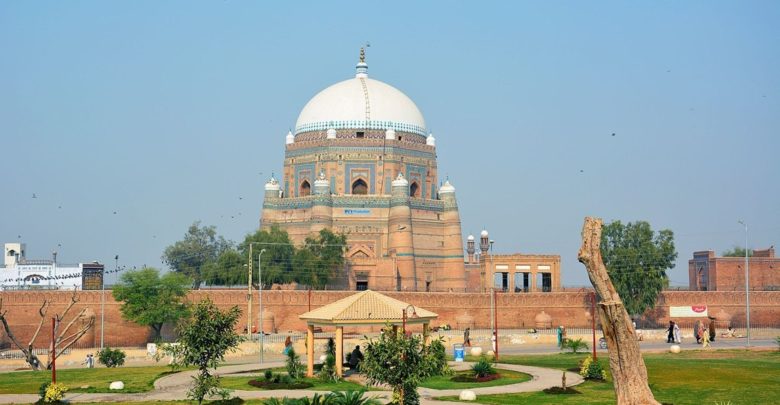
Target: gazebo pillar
[(426, 334), (310, 351), (340, 351)]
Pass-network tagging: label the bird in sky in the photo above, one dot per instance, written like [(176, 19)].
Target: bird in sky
[(35, 196)]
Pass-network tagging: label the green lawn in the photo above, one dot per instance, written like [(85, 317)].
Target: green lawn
[(136, 379), (445, 383), (691, 377), (242, 383)]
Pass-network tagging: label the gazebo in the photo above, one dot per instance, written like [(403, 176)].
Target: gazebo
[(361, 309)]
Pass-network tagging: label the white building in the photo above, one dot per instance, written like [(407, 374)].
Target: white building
[(20, 273)]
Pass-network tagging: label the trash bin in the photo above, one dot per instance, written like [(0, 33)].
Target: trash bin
[(459, 352)]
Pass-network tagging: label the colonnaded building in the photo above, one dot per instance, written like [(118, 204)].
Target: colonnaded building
[(361, 162)]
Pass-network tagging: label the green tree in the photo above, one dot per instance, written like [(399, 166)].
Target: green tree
[(402, 363), (200, 246), (637, 258), (148, 299), (277, 259), (228, 269), (737, 251), (206, 337), (320, 258)]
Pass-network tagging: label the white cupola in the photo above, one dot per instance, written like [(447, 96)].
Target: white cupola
[(430, 140), (289, 139), (331, 133), (390, 133)]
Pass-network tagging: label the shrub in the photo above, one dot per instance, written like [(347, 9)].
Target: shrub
[(350, 398), (268, 374), (575, 345), (592, 370), (328, 370), (294, 365), (483, 368), (54, 393), (111, 357), (777, 339)]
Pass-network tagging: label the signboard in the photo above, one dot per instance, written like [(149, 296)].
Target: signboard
[(357, 212), (693, 311)]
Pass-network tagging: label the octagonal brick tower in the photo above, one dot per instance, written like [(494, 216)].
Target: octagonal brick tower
[(361, 162)]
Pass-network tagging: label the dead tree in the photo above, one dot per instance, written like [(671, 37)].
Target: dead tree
[(625, 360), (83, 321)]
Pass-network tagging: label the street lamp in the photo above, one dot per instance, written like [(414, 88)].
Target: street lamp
[(747, 284), (404, 317), (260, 299)]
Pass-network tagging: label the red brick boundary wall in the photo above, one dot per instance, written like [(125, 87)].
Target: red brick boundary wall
[(281, 310)]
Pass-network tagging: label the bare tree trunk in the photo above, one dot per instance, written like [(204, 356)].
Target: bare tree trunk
[(85, 317), (625, 360)]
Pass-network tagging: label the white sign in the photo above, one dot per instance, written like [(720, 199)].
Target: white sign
[(693, 311)]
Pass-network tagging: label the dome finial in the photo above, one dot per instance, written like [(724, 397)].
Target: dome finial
[(362, 66)]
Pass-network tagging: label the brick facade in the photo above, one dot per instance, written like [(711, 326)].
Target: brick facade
[(706, 272), (281, 309)]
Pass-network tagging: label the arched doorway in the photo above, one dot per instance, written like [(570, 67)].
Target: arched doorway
[(305, 189), (414, 190), (359, 187)]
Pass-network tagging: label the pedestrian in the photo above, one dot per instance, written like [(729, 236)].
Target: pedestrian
[(670, 333), (466, 338), (493, 341), (697, 331), (89, 361), (287, 345), (560, 336), (705, 338), (712, 330), (677, 337)]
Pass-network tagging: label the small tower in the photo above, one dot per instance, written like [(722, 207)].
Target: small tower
[(470, 248), (289, 139), (399, 226), (484, 243), (272, 188), (322, 207)]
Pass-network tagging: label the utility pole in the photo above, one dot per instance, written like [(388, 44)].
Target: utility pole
[(260, 299), (249, 296)]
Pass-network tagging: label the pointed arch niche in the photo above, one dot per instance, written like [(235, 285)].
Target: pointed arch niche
[(359, 187), (414, 190), (305, 189)]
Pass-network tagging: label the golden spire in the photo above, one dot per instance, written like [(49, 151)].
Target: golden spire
[(362, 55)]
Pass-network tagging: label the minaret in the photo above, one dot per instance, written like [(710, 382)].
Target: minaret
[(400, 229), (470, 248), (453, 242), (272, 188), (322, 209), (484, 243)]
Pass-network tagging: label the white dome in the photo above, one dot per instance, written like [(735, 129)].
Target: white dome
[(471, 237), (430, 141), (289, 139), (447, 188), (361, 103), (400, 181), (483, 234), (272, 185)]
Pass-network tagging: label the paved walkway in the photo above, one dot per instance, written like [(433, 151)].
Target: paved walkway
[(175, 386)]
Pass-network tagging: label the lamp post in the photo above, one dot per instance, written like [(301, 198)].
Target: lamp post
[(747, 285), (249, 296), (260, 299), (404, 317)]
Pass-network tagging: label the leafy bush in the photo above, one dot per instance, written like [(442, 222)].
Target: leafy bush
[(294, 365), (575, 345), (53, 393), (483, 368), (592, 370), (330, 347), (350, 398), (111, 357), (268, 374), (328, 370), (437, 354)]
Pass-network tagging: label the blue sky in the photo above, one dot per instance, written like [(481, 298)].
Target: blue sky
[(168, 112)]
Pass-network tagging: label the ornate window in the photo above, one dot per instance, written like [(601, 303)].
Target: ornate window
[(305, 189), (359, 187)]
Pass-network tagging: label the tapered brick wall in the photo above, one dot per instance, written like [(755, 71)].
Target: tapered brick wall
[(459, 310)]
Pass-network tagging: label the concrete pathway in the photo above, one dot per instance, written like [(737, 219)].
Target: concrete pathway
[(175, 386)]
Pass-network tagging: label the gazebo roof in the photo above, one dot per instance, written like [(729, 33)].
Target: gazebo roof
[(367, 308)]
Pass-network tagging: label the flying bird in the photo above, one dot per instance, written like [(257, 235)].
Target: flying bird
[(35, 196)]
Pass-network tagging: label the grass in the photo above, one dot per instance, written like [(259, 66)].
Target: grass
[(445, 382), (136, 379), (691, 377), (242, 383)]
